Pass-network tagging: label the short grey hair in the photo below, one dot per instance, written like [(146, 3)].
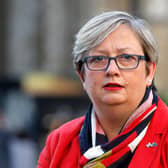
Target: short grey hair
[(100, 26)]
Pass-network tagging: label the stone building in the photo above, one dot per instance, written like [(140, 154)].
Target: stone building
[(37, 35)]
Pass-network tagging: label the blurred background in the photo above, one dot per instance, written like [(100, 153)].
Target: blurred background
[(39, 89)]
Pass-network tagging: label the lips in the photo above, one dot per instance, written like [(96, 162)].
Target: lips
[(113, 86)]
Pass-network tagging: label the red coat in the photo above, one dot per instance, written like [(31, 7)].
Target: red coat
[(62, 147)]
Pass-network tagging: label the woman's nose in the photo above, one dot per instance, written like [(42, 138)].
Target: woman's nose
[(112, 68)]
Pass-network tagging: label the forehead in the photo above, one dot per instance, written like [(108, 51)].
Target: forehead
[(121, 39)]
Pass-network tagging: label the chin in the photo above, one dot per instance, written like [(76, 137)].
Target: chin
[(113, 100)]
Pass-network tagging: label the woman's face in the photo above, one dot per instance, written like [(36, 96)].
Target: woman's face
[(114, 86)]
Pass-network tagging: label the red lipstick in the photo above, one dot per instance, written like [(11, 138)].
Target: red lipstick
[(113, 86)]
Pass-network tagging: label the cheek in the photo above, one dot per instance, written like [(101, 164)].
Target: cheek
[(88, 82), (137, 82), (92, 82)]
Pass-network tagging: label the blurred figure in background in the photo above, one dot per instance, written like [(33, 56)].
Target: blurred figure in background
[(4, 143), (23, 151), (19, 121), (54, 120)]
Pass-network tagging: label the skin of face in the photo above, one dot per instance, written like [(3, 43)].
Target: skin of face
[(116, 92)]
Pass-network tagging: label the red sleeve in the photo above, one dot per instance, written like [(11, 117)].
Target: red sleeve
[(46, 154)]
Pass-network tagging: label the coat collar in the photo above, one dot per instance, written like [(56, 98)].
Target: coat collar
[(150, 147), (159, 122)]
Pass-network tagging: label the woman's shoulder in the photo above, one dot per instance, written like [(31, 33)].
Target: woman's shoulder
[(161, 116), (64, 135), (159, 122), (59, 140), (162, 109)]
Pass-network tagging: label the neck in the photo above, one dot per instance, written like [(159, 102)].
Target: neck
[(112, 118)]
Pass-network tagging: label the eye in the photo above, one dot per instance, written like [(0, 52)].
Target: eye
[(96, 59), (127, 57)]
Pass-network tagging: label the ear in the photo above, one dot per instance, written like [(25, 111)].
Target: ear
[(150, 75), (80, 76), (82, 79)]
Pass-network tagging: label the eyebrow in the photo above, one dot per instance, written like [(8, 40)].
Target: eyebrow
[(100, 51), (124, 49)]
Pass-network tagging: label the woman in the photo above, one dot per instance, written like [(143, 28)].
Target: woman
[(115, 55)]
